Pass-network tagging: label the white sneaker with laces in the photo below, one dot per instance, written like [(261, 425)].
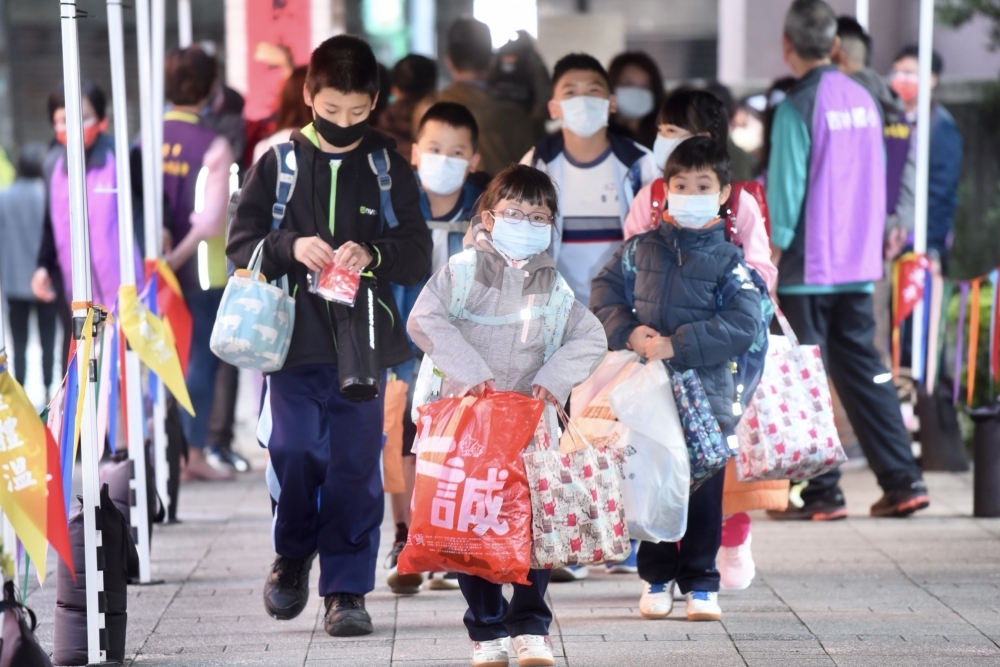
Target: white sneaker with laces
[(703, 606), (657, 600), (736, 567), (533, 651), (492, 653)]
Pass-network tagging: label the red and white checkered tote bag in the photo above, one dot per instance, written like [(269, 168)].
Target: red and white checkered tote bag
[(787, 431)]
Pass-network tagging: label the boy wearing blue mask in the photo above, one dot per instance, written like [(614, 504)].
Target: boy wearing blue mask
[(445, 155), (694, 304), (597, 174), (481, 350)]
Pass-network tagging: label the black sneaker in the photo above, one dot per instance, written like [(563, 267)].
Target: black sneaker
[(286, 590), (346, 616), (401, 584), (903, 502), (821, 509)]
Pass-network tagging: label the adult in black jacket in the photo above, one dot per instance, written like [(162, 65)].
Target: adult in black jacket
[(324, 474)]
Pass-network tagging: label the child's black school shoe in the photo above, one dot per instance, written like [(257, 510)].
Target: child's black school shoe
[(286, 590), (346, 616)]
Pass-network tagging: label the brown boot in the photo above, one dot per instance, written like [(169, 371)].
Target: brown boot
[(198, 468)]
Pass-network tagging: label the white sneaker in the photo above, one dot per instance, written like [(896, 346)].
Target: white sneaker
[(736, 567), (533, 651), (657, 600), (703, 606), (493, 653), (569, 573)]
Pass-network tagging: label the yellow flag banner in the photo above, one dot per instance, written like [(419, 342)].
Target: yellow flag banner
[(23, 469), (153, 342)]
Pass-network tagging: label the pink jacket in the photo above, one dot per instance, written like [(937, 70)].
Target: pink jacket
[(749, 226)]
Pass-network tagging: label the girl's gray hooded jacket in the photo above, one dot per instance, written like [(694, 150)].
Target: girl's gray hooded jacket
[(513, 355)]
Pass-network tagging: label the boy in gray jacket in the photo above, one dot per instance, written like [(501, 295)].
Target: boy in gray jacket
[(513, 274)]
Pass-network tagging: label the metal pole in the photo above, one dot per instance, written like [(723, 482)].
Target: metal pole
[(923, 165), (862, 13), (134, 413), (82, 300), (151, 156), (185, 32), (8, 535)]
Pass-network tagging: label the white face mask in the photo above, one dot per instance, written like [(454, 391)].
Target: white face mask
[(634, 102), (440, 174), (519, 239), (693, 211), (585, 116), (663, 147)]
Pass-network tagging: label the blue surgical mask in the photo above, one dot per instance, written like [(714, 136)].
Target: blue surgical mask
[(663, 147), (693, 211), (519, 239)]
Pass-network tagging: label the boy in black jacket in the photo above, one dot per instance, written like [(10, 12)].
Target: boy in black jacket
[(323, 473), (691, 301)]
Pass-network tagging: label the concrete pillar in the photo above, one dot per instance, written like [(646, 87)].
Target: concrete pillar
[(732, 43)]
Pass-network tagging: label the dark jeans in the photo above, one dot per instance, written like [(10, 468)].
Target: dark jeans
[(843, 325), (204, 305), (324, 475), (691, 562), (223, 415), (491, 616), (48, 315)]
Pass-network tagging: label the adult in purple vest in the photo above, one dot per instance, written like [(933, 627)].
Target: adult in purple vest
[(53, 277), (196, 163), (827, 192)]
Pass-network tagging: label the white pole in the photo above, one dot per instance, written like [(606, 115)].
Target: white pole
[(732, 43), (423, 27), (9, 538), (923, 165), (862, 13), (152, 205), (134, 413), (185, 32), (82, 298)]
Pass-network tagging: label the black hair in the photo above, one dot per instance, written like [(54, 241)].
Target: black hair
[(579, 61), (848, 28), (811, 26), (454, 115), (520, 182), (345, 63), (470, 45), (415, 76), (30, 160), (189, 76), (384, 91), (642, 60), (695, 154), (94, 94), (913, 51), (697, 111)]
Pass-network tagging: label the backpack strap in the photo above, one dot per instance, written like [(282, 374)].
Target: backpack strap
[(658, 197), (629, 269), (288, 174), (379, 162), (557, 315), (463, 271)]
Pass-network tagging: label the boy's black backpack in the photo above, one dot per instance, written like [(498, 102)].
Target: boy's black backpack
[(18, 646)]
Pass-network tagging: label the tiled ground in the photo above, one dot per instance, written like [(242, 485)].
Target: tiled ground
[(857, 593), (924, 591)]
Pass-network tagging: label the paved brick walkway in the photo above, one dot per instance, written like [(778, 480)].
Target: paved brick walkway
[(924, 591)]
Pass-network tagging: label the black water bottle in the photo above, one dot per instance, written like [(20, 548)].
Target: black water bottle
[(357, 351)]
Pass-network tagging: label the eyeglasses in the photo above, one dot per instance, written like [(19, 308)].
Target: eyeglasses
[(535, 219)]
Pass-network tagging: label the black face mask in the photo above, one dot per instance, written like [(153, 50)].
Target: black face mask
[(338, 136)]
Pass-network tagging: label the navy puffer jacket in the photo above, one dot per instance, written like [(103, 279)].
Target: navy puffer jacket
[(681, 275)]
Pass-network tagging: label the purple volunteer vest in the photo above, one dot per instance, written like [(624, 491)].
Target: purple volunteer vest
[(102, 215), (845, 206), (185, 143)]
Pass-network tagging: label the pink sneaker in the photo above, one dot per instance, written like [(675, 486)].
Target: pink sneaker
[(736, 566)]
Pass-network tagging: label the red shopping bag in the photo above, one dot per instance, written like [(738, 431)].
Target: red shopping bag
[(471, 503)]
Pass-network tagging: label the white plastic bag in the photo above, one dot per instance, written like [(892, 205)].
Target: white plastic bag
[(607, 373), (657, 465)]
